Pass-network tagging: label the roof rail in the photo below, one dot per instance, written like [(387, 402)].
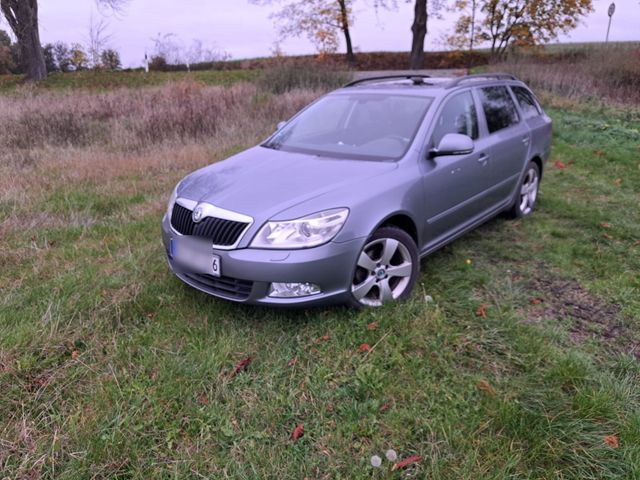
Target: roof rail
[(417, 79), (496, 76)]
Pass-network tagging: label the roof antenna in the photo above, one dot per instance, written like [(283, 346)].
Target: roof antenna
[(417, 80)]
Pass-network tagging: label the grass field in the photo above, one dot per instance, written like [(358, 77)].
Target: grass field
[(105, 80), (524, 365)]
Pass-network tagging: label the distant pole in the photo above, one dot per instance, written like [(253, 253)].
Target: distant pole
[(146, 63), (612, 10)]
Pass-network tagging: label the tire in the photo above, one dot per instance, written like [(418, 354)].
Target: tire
[(527, 194), (375, 282)]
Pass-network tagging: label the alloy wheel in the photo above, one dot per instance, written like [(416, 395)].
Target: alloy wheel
[(529, 191), (383, 272)]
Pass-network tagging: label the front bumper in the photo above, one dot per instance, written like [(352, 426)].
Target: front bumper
[(248, 272)]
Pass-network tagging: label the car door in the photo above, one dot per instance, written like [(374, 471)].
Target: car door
[(455, 186), (505, 139), (539, 124)]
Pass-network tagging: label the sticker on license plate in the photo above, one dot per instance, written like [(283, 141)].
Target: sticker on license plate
[(195, 255)]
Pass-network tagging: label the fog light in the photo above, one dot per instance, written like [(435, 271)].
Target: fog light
[(290, 290)]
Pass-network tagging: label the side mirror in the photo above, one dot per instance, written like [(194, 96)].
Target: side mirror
[(280, 125), (453, 144)]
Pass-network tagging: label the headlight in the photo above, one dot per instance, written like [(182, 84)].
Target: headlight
[(305, 232), (172, 201)]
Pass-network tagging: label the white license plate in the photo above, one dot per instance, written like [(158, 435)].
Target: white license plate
[(195, 255)]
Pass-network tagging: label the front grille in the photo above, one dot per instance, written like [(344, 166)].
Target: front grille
[(220, 231), (224, 286)]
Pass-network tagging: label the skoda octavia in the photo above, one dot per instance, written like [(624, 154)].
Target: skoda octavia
[(342, 201)]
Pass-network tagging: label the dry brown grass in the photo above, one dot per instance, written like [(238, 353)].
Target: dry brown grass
[(59, 139), (604, 75)]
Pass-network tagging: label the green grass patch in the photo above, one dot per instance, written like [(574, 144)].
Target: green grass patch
[(111, 368), (105, 80)]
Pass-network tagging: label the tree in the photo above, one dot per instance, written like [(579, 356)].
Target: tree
[(419, 30), (6, 57), (78, 58), (465, 28), (110, 59), (99, 39), (522, 22), (22, 17), (322, 21), (62, 56), (50, 58)]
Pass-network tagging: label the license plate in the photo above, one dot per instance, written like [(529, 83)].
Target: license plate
[(195, 255)]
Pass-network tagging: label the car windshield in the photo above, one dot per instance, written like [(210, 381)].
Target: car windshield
[(355, 126)]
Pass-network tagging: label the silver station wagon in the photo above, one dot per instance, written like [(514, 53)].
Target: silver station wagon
[(342, 201)]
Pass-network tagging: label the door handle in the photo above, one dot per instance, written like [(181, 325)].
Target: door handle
[(526, 140), (483, 158)]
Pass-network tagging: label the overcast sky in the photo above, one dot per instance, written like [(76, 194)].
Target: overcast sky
[(245, 30)]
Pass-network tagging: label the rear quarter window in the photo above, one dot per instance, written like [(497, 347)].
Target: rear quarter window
[(528, 104), (499, 109)]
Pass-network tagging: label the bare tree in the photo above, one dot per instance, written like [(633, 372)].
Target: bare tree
[(22, 16), (99, 38)]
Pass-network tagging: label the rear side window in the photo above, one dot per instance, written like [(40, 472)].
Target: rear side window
[(528, 104), (499, 109), (458, 116)]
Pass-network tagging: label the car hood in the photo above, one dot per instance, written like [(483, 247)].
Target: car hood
[(263, 182)]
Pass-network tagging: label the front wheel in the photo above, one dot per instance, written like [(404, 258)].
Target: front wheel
[(387, 268), (527, 194)]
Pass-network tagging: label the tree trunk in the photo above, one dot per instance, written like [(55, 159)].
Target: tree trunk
[(22, 16), (419, 29), (344, 22), (473, 25)]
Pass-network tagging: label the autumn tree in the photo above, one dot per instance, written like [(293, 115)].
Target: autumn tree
[(78, 58), (22, 17), (464, 33), (522, 22), (322, 21)]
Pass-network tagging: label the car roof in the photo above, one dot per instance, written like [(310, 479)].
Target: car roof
[(425, 85)]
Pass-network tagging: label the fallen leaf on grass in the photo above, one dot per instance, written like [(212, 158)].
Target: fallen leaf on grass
[(406, 462), (203, 399), (298, 432), (535, 301), (560, 165), (385, 407), (75, 354), (372, 326), (292, 362), (365, 347), (240, 366), (617, 182), (486, 387), (606, 236), (324, 338), (611, 440), (482, 311)]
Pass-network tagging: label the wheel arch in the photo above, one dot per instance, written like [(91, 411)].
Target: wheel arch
[(538, 161), (403, 221)]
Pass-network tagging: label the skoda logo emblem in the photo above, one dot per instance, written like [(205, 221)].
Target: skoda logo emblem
[(197, 214)]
